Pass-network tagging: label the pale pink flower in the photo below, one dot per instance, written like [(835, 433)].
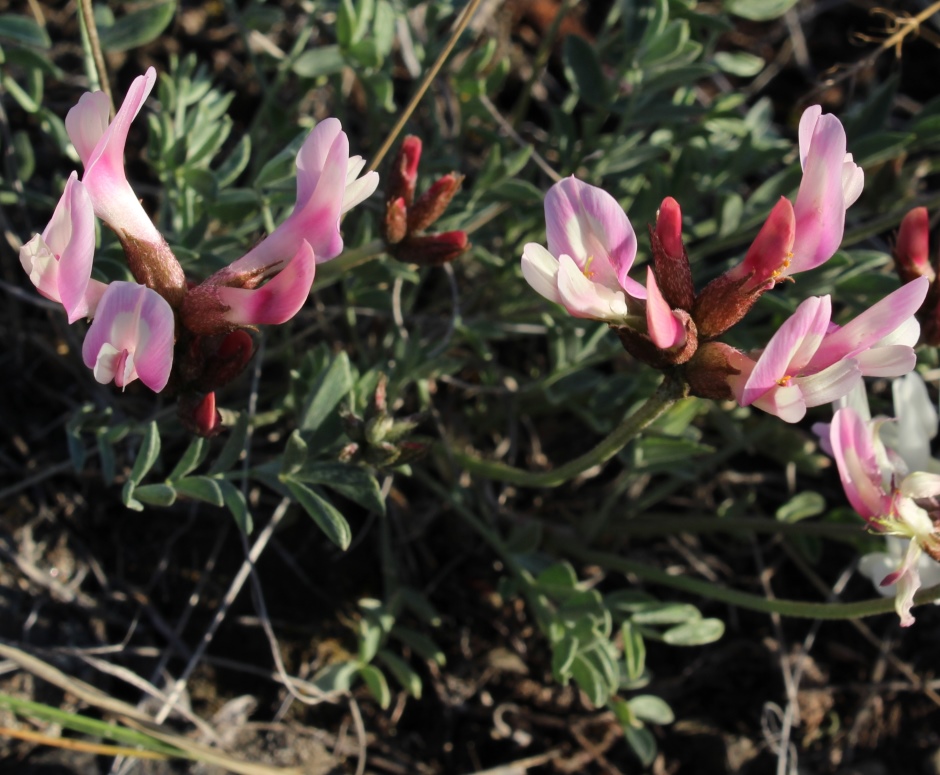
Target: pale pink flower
[(803, 235), (131, 336), (327, 186), (59, 260), (591, 249), (891, 498), (809, 361)]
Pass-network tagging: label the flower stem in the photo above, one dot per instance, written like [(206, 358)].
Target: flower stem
[(793, 608), (668, 392)]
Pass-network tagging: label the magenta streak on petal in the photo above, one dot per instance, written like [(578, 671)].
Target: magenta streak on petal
[(854, 453), (820, 202), (794, 341), (278, 300), (875, 323)]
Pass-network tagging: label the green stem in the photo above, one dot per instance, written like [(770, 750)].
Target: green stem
[(793, 608), (668, 392), (655, 525)]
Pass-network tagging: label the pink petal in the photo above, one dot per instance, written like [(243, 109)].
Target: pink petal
[(86, 123), (75, 260), (820, 202), (585, 299), (278, 300), (875, 323), (770, 254), (131, 336), (113, 199), (807, 125), (587, 223), (313, 155), (789, 348), (59, 261), (854, 454), (664, 329)]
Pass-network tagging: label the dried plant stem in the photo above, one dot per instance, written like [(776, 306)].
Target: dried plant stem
[(431, 74), (98, 749), (91, 31), (666, 395)]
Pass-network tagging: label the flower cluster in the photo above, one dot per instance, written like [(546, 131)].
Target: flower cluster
[(892, 481), (808, 362), (407, 218), (162, 329)]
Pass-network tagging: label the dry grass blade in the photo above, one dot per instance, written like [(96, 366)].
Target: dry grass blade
[(134, 718), (80, 745)]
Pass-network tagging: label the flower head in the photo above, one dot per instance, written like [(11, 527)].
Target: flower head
[(810, 361)]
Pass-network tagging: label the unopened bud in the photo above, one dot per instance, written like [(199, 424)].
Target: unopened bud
[(199, 415), (403, 176), (911, 253), (670, 261), (395, 225), (768, 257), (433, 249), (432, 203)]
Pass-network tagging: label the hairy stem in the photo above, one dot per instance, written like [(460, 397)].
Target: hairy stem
[(793, 608)]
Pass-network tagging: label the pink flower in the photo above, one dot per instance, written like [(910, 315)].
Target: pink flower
[(801, 236), (327, 186), (809, 362), (591, 248), (881, 489), (100, 146), (59, 260), (130, 337), (213, 309)]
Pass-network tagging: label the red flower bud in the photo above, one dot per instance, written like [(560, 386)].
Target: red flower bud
[(911, 251), (200, 416), (432, 249), (403, 175), (432, 203), (395, 225), (670, 261)]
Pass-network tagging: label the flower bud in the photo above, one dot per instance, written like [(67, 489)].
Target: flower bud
[(395, 225), (911, 251), (199, 415), (673, 273), (432, 249), (432, 203), (403, 176)]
